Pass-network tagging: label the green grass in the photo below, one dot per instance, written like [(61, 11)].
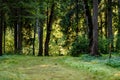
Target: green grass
[(19, 67), (101, 68)]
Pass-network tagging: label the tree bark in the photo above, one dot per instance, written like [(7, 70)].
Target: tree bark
[(89, 23), (1, 26), (118, 35), (4, 30), (106, 16), (109, 21), (34, 40), (77, 17), (40, 36), (49, 28), (15, 31), (94, 48), (19, 39), (19, 34)]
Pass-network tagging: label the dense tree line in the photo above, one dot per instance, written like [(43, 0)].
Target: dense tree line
[(57, 26)]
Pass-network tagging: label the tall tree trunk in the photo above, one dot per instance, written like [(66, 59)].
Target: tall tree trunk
[(15, 34), (109, 21), (16, 30), (94, 48), (77, 17), (118, 35), (4, 26), (19, 34), (40, 36), (106, 16), (89, 23), (34, 38), (1, 26), (19, 41), (49, 28)]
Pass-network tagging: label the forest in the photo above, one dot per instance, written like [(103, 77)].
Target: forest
[(54, 39)]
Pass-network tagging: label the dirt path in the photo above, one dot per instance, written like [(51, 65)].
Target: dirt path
[(52, 70)]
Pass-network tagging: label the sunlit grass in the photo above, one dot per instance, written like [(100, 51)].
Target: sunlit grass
[(19, 67)]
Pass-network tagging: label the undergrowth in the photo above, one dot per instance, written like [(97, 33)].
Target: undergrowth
[(114, 62)]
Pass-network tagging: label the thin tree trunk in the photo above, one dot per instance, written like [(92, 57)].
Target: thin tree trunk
[(89, 23), (106, 16), (34, 40), (1, 26), (4, 33), (49, 28), (19, 41), (15, 36), (118, 35), (16, 31), (109, 21), (77, 16), (40, 36), (94, 48), (19, 34)]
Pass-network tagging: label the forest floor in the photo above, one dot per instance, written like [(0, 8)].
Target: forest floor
[(16, 67)]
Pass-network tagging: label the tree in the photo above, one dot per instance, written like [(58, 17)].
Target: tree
[(1, 27), (41, 21), (106, 16), (89, 23), (22, 15), (40, 36), (109, 23), (118, 35), (77, 17), (15, 30), (49, 28), (94, 48), (16, 20), (2, 12), (34, 41)]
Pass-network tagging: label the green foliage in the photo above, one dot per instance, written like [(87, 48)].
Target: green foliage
[(68, 15), (117, 49), (103, 45), (88, 58), (9, 41), (113, 62), (80, 45), (71, 17)]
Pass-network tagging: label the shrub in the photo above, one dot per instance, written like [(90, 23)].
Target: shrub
[(103, 45), (80, 45)]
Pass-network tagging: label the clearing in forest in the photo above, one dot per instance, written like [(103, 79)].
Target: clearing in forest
[(16, 67)]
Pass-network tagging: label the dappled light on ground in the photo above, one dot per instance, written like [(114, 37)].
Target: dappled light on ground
[(52, 72), (38, 68), (55, 68)]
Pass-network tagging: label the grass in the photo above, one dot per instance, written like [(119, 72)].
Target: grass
[(16, 67), (102, 68), (19, 67)]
